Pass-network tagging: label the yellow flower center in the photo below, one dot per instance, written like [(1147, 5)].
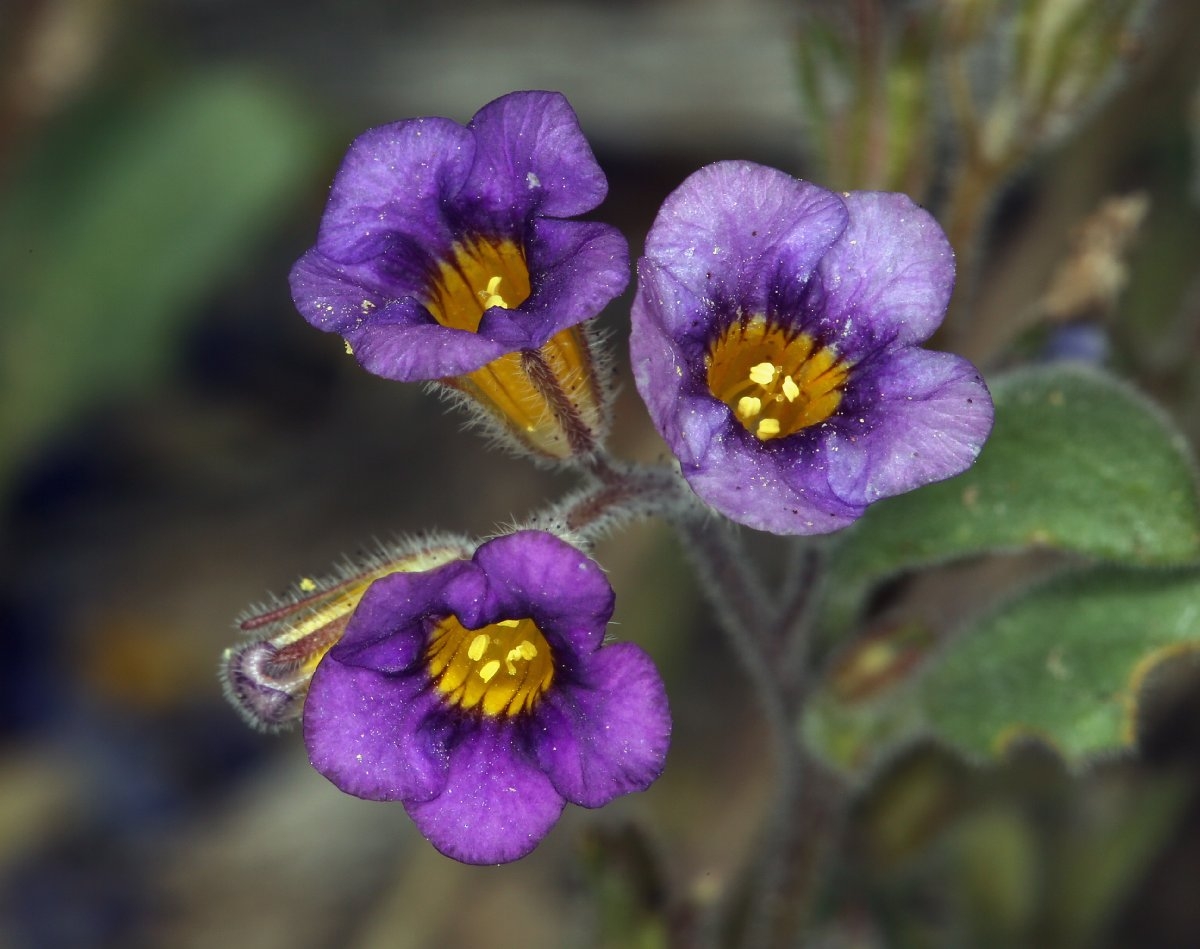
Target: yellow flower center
[(481, 274), (776, 383), (500, 669)]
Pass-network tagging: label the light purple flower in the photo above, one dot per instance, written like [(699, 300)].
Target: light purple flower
[(445, 247), (775, 342), (479, 695)]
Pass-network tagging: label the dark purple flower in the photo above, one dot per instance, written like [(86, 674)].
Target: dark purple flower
[(775, 334), (479, 694), (444, 254)]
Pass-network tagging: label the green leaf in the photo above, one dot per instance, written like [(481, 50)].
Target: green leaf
[(1077, 462), (1065, 662), (133, 211)]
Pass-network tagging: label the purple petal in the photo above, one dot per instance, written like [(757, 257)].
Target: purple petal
[(373, 735), (496, 805), (577, 268), (887, 279), (668, 366), (534, 574), (395, 180), (776, 486), (735, 231), (403, 343), (337, 297), (388, 629), (531, 156), (930, 415), (608, 734)]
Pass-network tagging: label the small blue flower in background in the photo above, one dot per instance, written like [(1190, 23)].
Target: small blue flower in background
[(775, 343), (444, 254), (480, 695)]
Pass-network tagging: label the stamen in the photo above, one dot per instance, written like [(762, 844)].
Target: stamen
[(767, 428), (478, 646), (763, 373), (489, 670), (510, 623), (748, 406), (790, 389), (490, 297), (527, 649)]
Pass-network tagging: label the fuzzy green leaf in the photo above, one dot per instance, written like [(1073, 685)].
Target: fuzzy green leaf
[(1077, 462), (1065, 662)]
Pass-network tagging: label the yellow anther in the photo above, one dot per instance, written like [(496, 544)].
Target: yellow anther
[(763, 373), (527, 649), (510, 623), (489, 669), (308, 584), (790, 389), (767, 427), (349, 349), (748, 406), (478, 647), (491, 296)]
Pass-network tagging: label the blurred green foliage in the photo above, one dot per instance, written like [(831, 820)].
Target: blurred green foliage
[(131, 210), (1077, 462)]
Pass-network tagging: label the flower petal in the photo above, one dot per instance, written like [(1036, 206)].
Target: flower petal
[(534, 574), (338, 298), (387, 631), (531, 156), (607, 734), (886, 280), (667, 346), (396, 181), (577, 268), (929, 417), (735, 230), (496, 805), (402, 343), (780, 487), (375, 736)]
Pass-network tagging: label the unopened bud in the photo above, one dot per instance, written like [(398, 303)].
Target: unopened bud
[(266, 679)]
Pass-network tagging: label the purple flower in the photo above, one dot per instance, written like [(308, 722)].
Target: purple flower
[(775, 333), (444, 249), (479, 694)]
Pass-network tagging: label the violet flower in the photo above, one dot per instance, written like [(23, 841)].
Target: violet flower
[(444, 254), (775, 343), (479, 695)]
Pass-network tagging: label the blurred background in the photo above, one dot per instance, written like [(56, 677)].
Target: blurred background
[(175, 442)]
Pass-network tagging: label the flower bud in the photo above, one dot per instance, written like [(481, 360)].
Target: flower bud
[(266, 679)]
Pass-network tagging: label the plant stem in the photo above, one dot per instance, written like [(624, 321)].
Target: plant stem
[(760, 638)]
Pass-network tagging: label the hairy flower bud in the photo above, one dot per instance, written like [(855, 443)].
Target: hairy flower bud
[(266, 679)]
